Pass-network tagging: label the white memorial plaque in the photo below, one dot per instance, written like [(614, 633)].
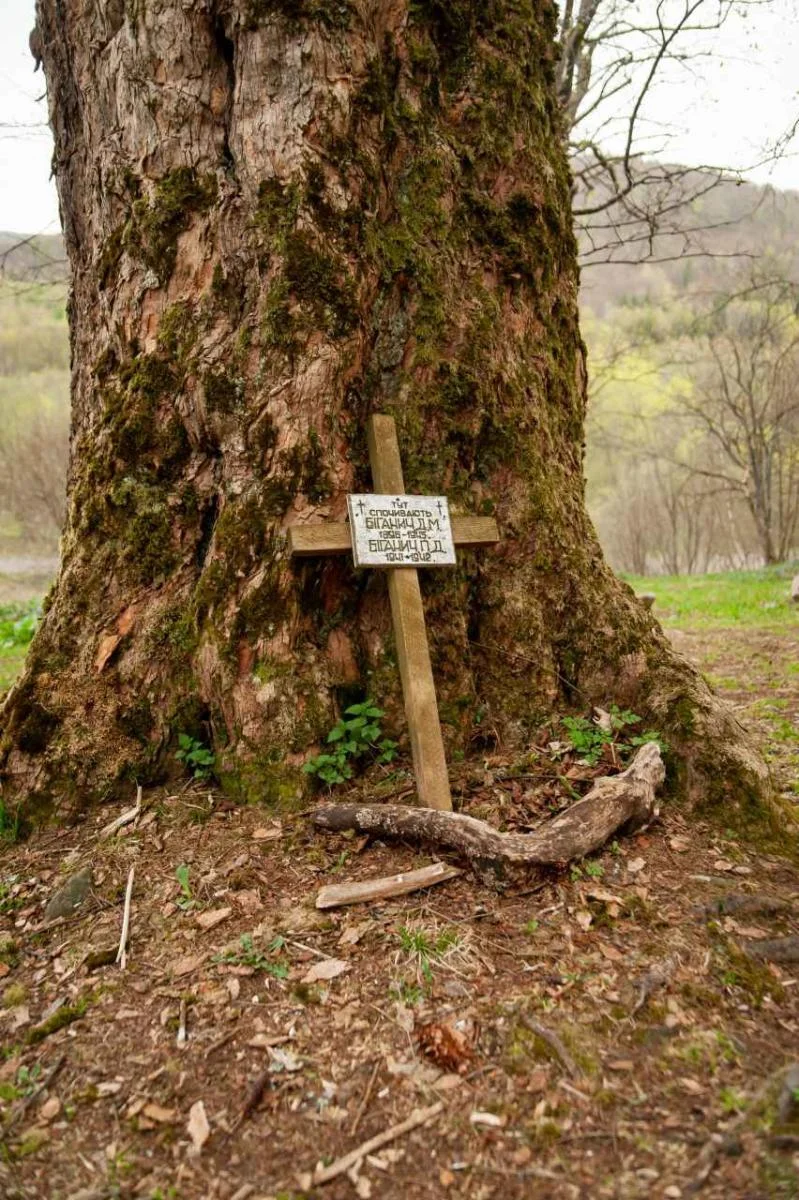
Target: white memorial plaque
[(401, 531)]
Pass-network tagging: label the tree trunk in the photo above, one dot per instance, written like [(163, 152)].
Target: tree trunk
[(283, 215)]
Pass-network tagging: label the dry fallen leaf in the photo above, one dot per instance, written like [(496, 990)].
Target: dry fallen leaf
[(263, 1041), (248, 899), (156, 1112), (610, 952), (198, 1128), (106, 647), (50, 1109), (583, 919), (283, 1060), (185, 966), (267, 833), (19, 1016), (635, 865), (209, 920), (352, 934), (328, 969)]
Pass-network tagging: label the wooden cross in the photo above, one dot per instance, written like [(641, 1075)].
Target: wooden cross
[(416, 674)]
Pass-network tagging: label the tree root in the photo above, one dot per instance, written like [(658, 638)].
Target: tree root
[(613, 801), (784, 949)]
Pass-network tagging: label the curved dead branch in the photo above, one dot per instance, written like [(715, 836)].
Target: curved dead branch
[(613, 801)]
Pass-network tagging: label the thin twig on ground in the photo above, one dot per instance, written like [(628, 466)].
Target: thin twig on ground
[(419, 1116), (125, 819), (254, 1096), (122, 952), (553, 1041), (362, 1106)]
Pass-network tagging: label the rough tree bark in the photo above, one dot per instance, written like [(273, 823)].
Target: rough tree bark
[(282, 215)]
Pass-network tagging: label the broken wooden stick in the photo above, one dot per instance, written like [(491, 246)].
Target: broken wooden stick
[(613, 801), (419, 1116), (125, 818), (339, 894), (553, 1041), (122, 952)]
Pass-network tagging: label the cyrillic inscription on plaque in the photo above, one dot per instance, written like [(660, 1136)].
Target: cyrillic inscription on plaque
[(401, 531)]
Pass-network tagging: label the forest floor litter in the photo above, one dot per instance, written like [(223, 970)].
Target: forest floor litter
[(601, 1031)]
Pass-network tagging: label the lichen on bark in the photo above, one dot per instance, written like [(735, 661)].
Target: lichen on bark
[(316, 210)]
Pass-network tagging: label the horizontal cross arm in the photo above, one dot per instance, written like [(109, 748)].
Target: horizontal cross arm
[(333, 537)]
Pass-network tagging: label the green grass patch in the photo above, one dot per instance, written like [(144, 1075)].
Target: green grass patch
[(735, 598), (17, 626), (10, 666)]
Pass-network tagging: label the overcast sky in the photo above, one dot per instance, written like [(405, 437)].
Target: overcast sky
[(722, 110)]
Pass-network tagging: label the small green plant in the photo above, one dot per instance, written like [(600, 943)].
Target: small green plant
[(24, 1083), (422, 947), (18, 624), (196, 757), (9, 824), (731, 1101), (589, 738), (186, 900), (408, 994), (8, 901), (594, 870), (248, 956), (355, 735), (530, 927)]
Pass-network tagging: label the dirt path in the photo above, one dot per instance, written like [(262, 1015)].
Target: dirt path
[(656, 1032), (757, 671)]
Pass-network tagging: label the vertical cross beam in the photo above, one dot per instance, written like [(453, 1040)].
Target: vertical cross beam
[(407, 614)]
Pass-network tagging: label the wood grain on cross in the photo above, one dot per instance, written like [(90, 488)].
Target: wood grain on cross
[(407, 612)]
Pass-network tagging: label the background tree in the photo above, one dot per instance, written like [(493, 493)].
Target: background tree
[(281, 217), (697, 398), (34, 393), (743, 363), (631, 204)]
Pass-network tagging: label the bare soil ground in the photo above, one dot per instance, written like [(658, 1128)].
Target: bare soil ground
[(600, 1032)]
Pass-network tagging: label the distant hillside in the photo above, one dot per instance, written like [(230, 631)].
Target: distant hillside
[(735, 221)]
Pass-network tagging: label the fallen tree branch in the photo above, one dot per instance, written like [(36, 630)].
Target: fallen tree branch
[(613, 801), (339, 894), (322, 1174)]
